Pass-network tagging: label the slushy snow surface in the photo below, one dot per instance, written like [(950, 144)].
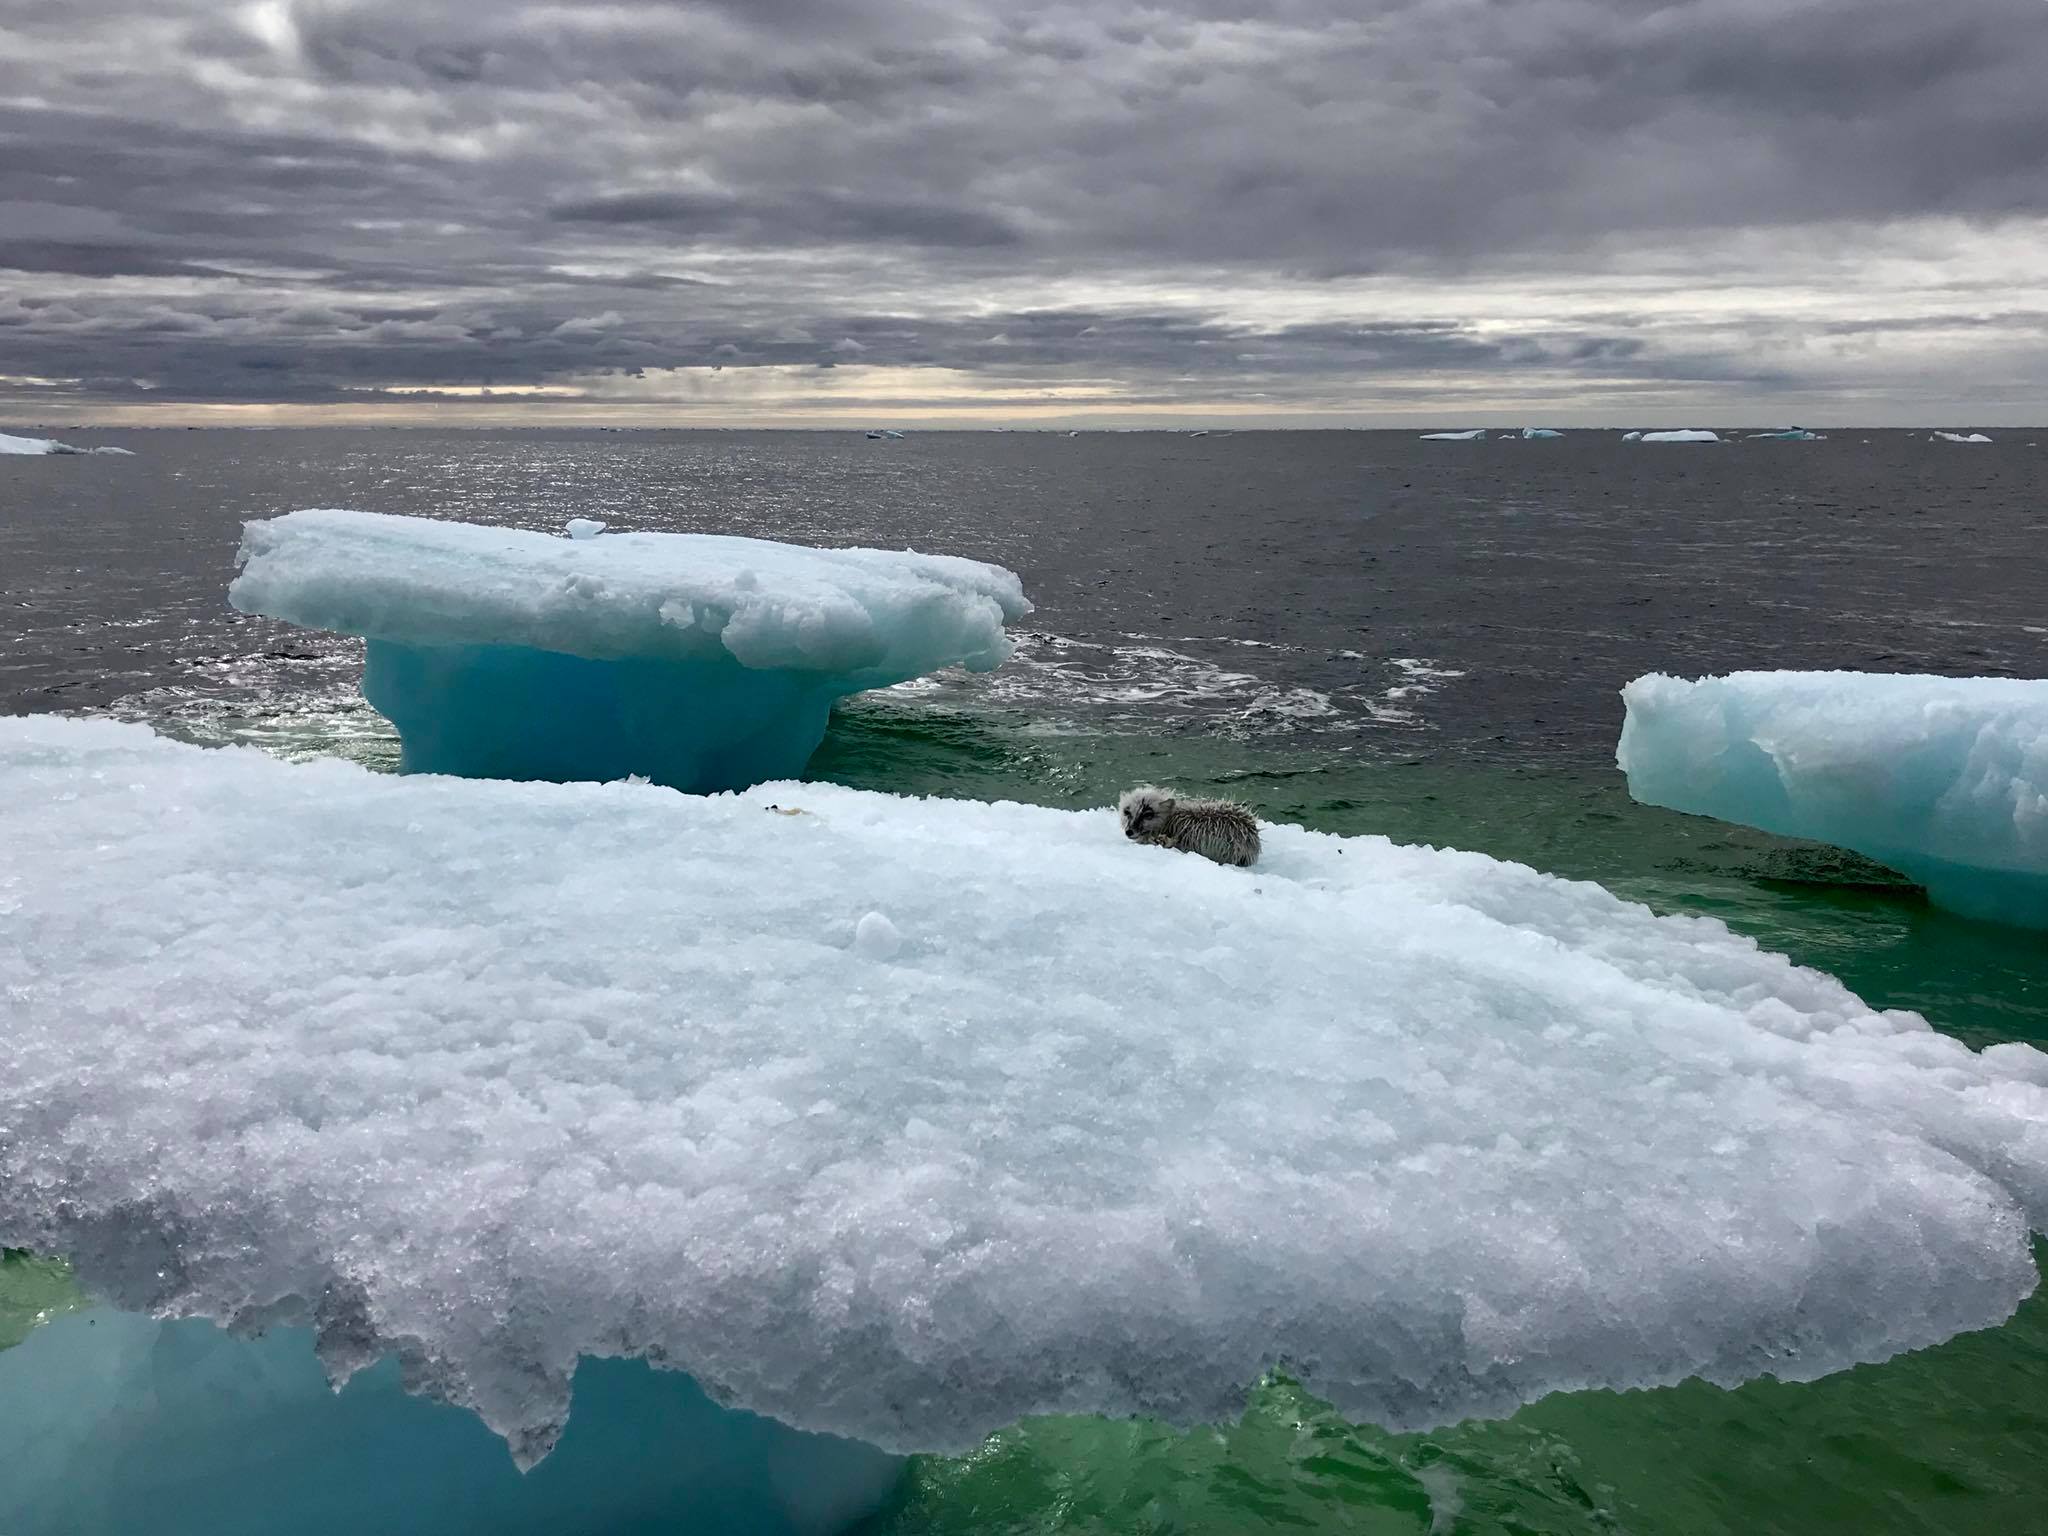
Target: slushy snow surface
[(1944, 779), (903, 1119), (701, 661), (1683, 436)]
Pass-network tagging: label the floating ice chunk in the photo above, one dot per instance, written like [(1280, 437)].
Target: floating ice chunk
[(701, 661), (494, 1075), (1962, 437), (1632, 437), (120, 453), (1535, 432), (1685, 435), (583, 528), (11, 444), (1944, 779), (1789, 435), (1477, 434)]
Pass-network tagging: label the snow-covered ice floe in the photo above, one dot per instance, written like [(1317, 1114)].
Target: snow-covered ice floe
[(11, 444), (1477, 434), (701, 661), (1788, 435), (902, 1119), (1537, 432), (1944, 779), (1961, 437), (1685, 435)]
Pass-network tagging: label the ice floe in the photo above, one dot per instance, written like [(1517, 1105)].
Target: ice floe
[(1943, 778), (702, 661), (903, 1119)]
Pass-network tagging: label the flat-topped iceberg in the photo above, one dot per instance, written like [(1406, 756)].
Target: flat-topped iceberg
[(695, 660), (1477, 434), (1944, 779), (903, 1119), (1684, 435), (1540, 432), (1788, 435)]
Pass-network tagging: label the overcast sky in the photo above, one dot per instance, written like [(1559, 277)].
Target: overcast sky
[(997, 210)]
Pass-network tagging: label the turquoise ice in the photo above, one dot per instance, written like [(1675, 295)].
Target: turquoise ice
[(118, 1423), (1944, 779), (698, 661)]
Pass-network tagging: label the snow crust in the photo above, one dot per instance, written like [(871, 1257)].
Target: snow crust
[(1686, 435), (1944, 779), (700, 661), (903, 1119), (1475, 435)]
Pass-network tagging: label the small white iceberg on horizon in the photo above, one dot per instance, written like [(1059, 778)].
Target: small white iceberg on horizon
[(1682, 435), (1961, 437), (1477, 434), (34, 446), (1788, 435), (1529, 433)]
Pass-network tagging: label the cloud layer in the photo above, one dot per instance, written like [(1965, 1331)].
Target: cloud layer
[(782, 209)]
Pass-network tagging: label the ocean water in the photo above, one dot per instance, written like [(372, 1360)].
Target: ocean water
[(1361, 632)]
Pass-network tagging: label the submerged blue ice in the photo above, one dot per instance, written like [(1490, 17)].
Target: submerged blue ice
[(1943, 779), (698, 661), (115, 1422)]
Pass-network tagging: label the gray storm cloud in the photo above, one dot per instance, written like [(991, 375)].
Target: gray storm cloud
[(1309, 206)]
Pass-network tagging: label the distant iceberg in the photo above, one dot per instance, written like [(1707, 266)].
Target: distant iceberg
[(1534, 432), (1788, 435), (1944, 779), (703, 662), (1962, 437), (1682, 436), (1632, 437), (1477, 434), (902, 1119), (10, 444)]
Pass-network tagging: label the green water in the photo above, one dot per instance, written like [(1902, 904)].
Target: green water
[(1948, 1440)]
